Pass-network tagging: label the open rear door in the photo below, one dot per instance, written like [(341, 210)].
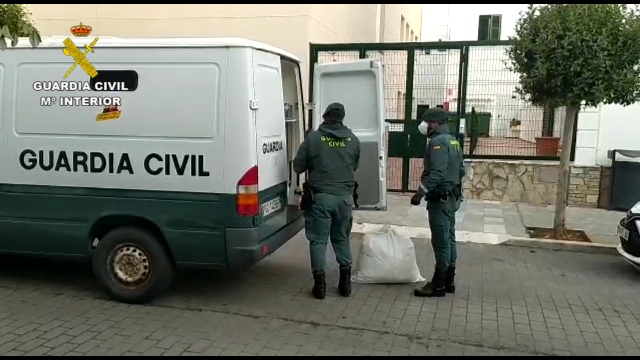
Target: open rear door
[(358, 85)]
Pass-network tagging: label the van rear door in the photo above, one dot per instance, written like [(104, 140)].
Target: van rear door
[(358, 85), (268, 105)]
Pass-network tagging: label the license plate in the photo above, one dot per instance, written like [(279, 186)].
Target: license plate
[(271, 206), (623, 233)]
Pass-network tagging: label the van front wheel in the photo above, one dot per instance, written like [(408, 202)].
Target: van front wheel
[(132, 265)]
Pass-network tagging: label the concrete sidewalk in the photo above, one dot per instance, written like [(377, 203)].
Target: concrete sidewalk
[(599, 224), (489, 222)]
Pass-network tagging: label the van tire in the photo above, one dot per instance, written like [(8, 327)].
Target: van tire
[(146, 270)]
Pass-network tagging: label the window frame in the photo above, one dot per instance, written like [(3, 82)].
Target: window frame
[(489, 27)]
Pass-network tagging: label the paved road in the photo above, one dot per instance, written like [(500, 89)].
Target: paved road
[(510, 301)]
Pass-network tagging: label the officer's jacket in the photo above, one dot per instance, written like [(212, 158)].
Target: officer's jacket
[(443, 164), (331, 155)]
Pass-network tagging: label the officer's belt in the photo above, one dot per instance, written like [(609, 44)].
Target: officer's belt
[(315, 190), (439, 196)]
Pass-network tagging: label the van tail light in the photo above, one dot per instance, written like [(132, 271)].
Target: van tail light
[(247, 202)]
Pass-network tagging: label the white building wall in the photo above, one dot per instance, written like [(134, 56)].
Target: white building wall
[(599, 130), (605, 128), (459, 22), (490, 86), (587, 137)]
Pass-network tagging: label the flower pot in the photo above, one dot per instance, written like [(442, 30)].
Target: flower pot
[(547, 146)]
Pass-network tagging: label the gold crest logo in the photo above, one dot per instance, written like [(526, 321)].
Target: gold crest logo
[(70, 49)]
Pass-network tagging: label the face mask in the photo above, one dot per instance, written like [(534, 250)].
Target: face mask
[(423, 128)]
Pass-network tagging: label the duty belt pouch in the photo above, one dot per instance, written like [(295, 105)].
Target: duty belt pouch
[(459, 194), (307, 197), (355, 195), (433, 196)]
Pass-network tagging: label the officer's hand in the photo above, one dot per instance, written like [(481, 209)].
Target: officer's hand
[(416, 199)]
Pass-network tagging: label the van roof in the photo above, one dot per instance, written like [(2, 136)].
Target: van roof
[(110, 41)]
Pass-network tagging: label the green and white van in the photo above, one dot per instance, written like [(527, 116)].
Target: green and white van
[(178, 152)]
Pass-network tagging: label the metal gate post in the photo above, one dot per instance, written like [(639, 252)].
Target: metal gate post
[(408, 112), (462, 90), (313, 52)]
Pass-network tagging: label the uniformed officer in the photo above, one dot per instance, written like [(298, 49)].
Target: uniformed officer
[(441, 187), (330, 155)]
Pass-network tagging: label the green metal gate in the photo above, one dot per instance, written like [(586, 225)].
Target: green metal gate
[(422, 75)]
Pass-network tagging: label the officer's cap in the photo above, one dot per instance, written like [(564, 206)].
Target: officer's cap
[(334, 111), (435, 115)]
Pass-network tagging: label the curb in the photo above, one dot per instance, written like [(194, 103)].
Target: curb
[(563, 245), (424, 233)]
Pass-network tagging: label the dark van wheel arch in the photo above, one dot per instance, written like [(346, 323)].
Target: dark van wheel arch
[(132, 265)]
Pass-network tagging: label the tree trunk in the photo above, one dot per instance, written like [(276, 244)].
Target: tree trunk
[(559, 218), (547, 113)]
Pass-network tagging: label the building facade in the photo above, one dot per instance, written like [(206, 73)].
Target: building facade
[(288, 26), (599, 130)]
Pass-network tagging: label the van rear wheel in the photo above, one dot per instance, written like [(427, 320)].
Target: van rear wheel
[(132, 265)]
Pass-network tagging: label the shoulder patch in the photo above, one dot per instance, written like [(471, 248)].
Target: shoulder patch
[(436, 147)]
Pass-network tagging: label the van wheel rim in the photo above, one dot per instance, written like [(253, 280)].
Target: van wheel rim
[(131, 266)]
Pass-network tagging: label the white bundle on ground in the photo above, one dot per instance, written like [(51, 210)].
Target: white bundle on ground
[(386, 257)]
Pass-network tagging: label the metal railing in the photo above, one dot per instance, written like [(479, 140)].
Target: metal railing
[(472, 82)]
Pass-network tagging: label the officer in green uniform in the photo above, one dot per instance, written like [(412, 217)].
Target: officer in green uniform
[(330, 155), (441, 186)]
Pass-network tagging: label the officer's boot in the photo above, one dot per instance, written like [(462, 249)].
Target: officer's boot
[(319, 285), (451, 276), (344, 286), (434, 288)]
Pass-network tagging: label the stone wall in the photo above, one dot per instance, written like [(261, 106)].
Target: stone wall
[(584, 186), (527, 181)]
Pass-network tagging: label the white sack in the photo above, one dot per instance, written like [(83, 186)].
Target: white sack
[(386, 257)]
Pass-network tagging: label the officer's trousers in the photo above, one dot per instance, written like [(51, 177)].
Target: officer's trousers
[(329, 218), (442, 222)]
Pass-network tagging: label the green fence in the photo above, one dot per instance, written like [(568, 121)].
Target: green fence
[(471, 81)]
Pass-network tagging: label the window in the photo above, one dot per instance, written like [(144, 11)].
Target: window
[(402, 26), (114, 80), (489, 27), (406, 33), (416, 38), (412, 36)]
